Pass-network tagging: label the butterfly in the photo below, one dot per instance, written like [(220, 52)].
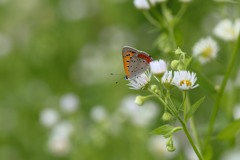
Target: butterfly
[(135, 62)]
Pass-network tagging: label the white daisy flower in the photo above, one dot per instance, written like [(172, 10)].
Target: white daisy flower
[(167, 77), (143, 4), (185, 80), (140, 82), (227, 29), (205, 49), (158, 66)]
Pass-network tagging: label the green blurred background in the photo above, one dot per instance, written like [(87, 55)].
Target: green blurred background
[(57, 97)]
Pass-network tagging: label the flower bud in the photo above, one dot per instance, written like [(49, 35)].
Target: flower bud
[(166, 116), (174, 64), (154, 88), (139, 100), (178, 51), (170, 146), (158, 67)]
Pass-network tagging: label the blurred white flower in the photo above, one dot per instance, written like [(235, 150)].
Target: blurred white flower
[(115, 124), (28, 7), (3, 2), (69, 102), (62, 129), (5, 44), (143, 4), (59, 145), (77, 9), (140, 82), (139, 116), (227, 30), (157, 147), (185, 0), (190, 154), (49, 117), (205, 49), (185, 80), (158, 66), (99, 114), (236, 111), (59, 140), (231, 155)]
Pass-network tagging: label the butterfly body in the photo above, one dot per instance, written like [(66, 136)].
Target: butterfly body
[(135, 62)]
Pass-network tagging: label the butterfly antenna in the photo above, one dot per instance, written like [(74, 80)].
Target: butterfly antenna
[(119, 80), (115, 74)]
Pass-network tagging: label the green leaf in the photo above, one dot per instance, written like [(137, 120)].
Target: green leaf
[(230, 131), (187, 62), (194, 107), (166, 130)]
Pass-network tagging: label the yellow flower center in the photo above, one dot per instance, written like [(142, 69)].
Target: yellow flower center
[(207, 52), (187, 82), (231, 31)]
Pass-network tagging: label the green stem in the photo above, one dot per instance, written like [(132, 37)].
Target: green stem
[(151, 19), (169, 24), (193, 126), (170, 102), (190, 138), (180, 13), (155, 13), (185, 108), (172, 110), (221, 90), (171, 33)]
